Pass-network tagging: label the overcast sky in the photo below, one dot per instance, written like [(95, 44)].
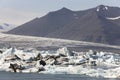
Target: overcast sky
[(21, 11)]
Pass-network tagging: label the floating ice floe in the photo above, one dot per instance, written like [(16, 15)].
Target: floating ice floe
[(61, 61)]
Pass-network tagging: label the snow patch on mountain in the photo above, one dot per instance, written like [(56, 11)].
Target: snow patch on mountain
[(106, 8), (97, 9), (113, 18), (102, 8), (76, 16)]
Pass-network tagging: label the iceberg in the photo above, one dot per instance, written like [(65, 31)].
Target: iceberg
[(91, 63)]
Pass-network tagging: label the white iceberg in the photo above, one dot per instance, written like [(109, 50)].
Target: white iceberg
[(91, 63)]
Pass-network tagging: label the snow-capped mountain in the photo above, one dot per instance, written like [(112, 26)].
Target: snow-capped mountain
[(100, 24), (6, 27)]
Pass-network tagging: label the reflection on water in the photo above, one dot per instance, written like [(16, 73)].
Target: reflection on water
[(35, 76)]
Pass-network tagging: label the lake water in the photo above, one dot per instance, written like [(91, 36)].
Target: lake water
[(35, 76)]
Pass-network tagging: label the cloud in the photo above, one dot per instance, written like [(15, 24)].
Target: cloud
[(16, 16)]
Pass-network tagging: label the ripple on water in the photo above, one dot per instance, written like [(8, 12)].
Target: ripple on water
[(35, 76)]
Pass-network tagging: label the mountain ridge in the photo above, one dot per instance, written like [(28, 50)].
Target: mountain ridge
[(6, 27), (92, 25)]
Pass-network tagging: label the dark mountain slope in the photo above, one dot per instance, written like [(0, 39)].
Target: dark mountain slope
[(93, 25), (47, 24)]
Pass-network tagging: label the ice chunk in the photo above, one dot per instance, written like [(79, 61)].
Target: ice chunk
[(63, 51)]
